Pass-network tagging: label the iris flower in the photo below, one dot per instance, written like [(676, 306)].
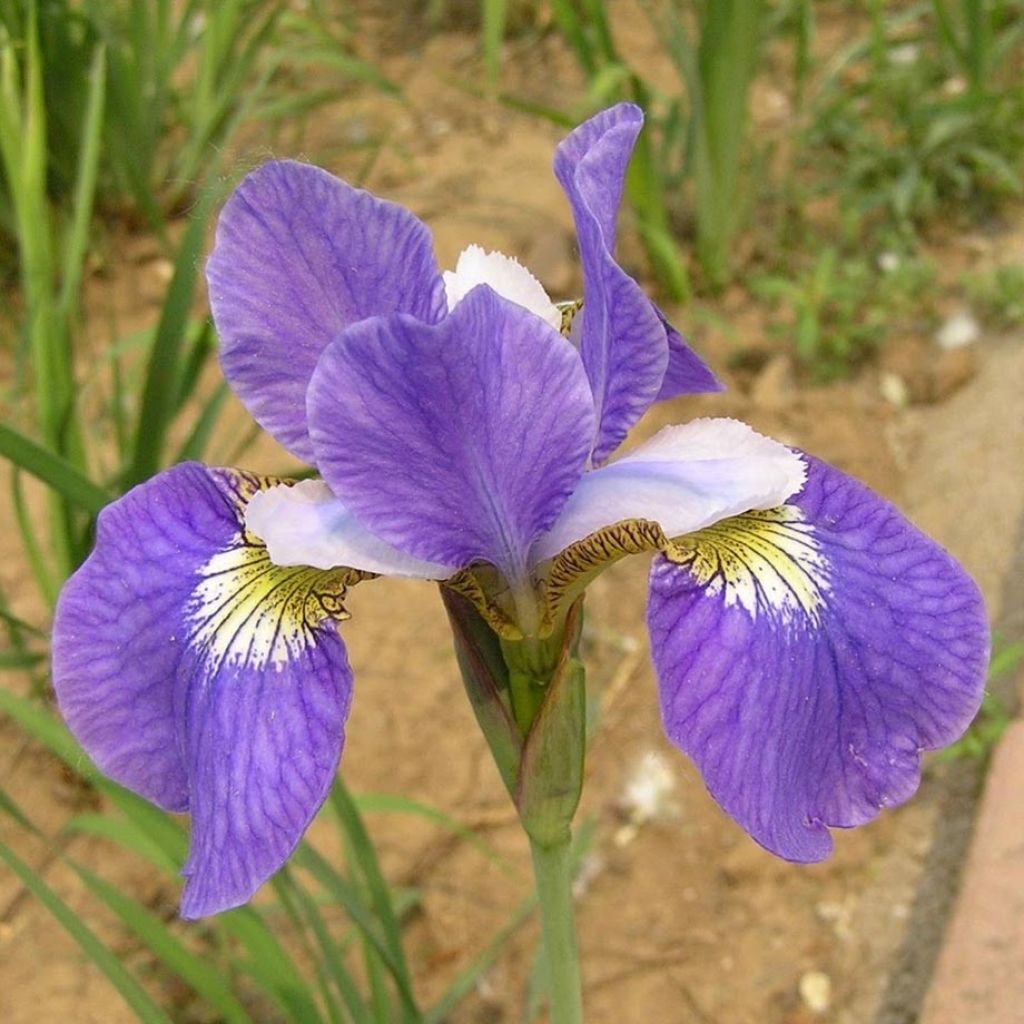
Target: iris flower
[(809, 643)]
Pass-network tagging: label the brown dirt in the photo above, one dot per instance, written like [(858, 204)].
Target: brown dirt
[(683, 920)]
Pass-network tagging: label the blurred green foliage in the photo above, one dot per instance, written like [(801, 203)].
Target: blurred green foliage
[(839, 307), (181, 79), (926, 111), (920, 111), (998, 295)]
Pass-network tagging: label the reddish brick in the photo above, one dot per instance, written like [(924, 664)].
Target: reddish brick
[(980, 972)]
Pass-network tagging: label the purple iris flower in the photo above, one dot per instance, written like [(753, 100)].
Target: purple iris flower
[(809, 642)]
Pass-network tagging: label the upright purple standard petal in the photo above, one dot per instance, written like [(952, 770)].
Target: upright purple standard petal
[(686, 373), (299, 257), (205, 678), (455, 443), (807, 655), (624, 339)]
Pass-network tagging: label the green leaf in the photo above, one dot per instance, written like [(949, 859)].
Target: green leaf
[(365, 855), (494, 14), (10, 808), (85, 187), (199, 437), (164, 365), (270, 966), (351, 900), (30, 542), (53, 470), (330, 965), (19, 660), (128, 835), (200, 976), (468, 977), (41, 725), (101, 955), (394, 803)]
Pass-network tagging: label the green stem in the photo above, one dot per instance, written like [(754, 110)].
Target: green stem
[(552, 873)]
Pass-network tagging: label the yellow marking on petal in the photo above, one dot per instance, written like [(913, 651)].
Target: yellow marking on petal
[(481, 585), (572, 569), (568, 310), (764, 561), (246, 610)]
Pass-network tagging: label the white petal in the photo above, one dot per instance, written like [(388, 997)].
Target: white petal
[(305, 524), (684, 478), (505, 275)]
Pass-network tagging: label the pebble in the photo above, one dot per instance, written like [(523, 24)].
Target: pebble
[(959, 330), (816, 991), (893, 389)]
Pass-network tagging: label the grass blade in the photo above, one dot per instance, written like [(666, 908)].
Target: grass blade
[(270, 966), (164, 367), (53, 470), (350, 899), (331, 967), (85, 186), (199, 437), (380, 896), (394, 803), (467, 978), (494, 14), (48, 587), (200, 976), (127, 834), (130, 990)]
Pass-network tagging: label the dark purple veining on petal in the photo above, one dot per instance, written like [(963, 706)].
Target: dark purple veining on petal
[(263, 746), (686, 373), (299, 257), (801, 718), (455, 443), (622, 341), (631, 354), (185, 681)]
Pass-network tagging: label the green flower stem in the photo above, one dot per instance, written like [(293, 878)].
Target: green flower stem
[(552, 873)]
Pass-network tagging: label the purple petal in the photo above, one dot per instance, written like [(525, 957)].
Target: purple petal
[(455, 443), (684, 478), (264, 738), (687, 373), (627, 346), (201, 676), (299, 257), (622, 340), (808, 655), (116, 633), (591, 162)]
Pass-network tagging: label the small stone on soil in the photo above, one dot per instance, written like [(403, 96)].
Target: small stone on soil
[(816, 991), (959, 330)]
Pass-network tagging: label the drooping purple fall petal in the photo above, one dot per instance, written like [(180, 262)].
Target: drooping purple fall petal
[(807, 656), (299, 257), (684, 478), (203, 677), (623, 336), (458, 442)]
